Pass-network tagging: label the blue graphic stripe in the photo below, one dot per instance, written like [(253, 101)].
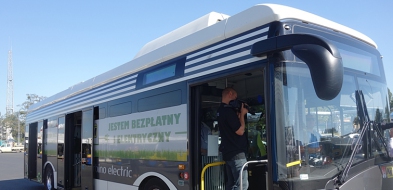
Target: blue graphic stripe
[(227, 54)]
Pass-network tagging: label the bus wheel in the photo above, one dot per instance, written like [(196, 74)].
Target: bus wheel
[(48, 178), (155, 184)]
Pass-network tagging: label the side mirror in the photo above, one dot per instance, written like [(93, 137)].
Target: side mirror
[(322, 57)]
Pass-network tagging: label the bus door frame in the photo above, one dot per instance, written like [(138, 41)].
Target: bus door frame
[(87, 128), (195, 107)]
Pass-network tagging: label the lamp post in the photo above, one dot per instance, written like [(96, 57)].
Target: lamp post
[(18, 128), (1, 138)]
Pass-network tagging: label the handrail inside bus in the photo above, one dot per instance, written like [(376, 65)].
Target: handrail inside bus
[(244, 165), (204, 170)]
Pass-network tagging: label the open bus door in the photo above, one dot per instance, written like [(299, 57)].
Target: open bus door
[(205, 100), (79, 152)]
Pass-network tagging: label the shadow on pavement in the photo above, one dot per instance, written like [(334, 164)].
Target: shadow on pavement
[(19, 184)]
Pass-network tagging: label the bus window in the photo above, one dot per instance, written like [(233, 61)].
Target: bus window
[(86, 152)]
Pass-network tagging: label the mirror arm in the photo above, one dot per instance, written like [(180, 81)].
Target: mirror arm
[(285, 42)]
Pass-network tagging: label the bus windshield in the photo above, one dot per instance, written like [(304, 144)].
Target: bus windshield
[(320, 135)]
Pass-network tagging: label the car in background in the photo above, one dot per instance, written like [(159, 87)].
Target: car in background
[(9, 147)]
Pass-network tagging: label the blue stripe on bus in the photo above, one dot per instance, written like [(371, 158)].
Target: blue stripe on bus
[(220, 64), (82, 99), (264, 27), (100, 88), (216, 58), (228, 46), (54, 109), (82, 105)]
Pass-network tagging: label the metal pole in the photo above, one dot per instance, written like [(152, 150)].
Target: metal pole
[(244, 165), (18, 129), (1, 139), (204, 170)]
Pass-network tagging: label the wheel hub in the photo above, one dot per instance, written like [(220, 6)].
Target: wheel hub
[(48, 183)]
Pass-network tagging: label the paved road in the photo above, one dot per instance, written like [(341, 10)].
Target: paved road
[(11, 173)]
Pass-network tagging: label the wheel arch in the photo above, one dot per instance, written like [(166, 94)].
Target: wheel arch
[(49, 164), (141, 180)]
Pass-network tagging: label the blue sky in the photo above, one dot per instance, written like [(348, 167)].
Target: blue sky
[(57, 44)]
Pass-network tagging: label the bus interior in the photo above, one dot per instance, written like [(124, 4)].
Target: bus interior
[(250, 88)]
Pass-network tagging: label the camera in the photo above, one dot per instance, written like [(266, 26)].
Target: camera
[(237, 105)]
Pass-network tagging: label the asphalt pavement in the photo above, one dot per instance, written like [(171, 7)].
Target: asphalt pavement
[(11, 173)]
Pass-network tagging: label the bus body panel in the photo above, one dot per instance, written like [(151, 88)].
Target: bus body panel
[(370, 178)]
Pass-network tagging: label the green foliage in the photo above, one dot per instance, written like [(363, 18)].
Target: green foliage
[(30, 100), (9, 121), (378, 116), (143, 154), (19, 117)]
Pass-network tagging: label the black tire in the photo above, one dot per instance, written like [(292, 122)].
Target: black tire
[(48, 180), (155, 184)]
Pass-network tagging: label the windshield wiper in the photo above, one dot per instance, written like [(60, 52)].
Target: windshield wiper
[(377, 128), (364, 118)]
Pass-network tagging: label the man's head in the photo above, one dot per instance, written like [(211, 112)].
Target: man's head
[(228, 94)]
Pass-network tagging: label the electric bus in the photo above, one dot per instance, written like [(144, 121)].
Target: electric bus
[(138, 126)]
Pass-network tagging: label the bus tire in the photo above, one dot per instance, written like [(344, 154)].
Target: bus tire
[(155, 184), (49, 183)]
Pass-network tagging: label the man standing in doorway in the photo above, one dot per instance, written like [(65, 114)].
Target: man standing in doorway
[(233, 141)]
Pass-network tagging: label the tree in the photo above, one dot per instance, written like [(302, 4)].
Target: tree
[(378, 116), (19, 117), (31, 99), (10, 121), (390, 100), (1, 126)]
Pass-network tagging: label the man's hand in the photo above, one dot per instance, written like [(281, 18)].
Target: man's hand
[(244, 111), (242, 128)]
